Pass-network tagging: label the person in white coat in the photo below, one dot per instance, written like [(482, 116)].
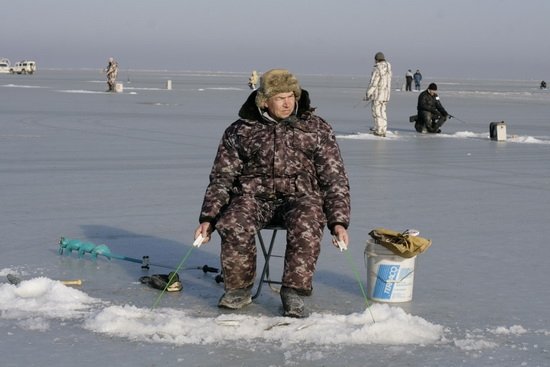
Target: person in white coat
[(253, 80), (112, 72), (378, 93)]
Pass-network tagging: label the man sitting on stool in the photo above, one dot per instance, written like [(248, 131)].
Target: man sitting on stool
[(431, 114), (279, 162)]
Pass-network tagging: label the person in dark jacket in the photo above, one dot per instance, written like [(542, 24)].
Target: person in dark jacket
[(408, 80), (417, 79), (431, 114), (279, 162)]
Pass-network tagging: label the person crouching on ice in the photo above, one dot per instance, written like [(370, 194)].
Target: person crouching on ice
[(431, 114), (279, 162)]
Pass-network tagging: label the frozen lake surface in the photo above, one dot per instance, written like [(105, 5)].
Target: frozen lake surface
[(129, 170)]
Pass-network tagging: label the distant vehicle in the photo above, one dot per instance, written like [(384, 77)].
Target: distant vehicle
[(23, 67), (4, 65)]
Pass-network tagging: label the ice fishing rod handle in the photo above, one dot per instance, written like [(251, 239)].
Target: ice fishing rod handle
[(208, 269)]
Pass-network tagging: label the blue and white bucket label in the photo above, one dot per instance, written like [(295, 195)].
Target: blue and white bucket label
[(393, 282), (385, 281)]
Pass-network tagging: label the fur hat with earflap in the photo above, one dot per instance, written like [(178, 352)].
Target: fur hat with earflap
[(276, 81)]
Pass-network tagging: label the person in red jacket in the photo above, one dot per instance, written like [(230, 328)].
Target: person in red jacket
[(279, 162)]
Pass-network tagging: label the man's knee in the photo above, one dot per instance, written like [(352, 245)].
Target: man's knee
[(239, 219), (436, 122), (231, 226)]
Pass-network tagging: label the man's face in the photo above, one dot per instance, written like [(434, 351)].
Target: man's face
[(281, 105)]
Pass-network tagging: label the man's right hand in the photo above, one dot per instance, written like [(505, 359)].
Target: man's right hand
[(205, 230)]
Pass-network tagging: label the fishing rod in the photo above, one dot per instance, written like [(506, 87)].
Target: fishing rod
[(457, 119), (365, 104), (174, 275)]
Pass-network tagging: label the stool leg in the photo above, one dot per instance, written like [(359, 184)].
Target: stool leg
[(264, 277)]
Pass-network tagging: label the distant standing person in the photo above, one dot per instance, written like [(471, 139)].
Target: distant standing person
[(431, 114), (408, 79), (417, 79), (253, 80), (112, 71), (378, 93)]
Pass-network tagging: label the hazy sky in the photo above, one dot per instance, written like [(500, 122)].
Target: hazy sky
[(492, 39)]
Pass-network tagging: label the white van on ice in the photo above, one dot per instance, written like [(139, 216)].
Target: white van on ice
[(23, 67), (4, 65)]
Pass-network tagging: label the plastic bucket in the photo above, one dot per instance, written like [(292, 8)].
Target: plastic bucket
[(119, 87), (390, 277)]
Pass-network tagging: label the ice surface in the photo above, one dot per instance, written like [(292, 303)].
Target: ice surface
[(129, 170)]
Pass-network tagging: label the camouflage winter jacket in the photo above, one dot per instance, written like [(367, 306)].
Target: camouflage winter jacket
[(380, 82), (267, 159)]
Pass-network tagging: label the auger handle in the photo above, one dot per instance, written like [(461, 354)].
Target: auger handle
[(209, 269)]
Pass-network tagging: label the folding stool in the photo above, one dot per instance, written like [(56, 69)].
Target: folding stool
[(268, 253)]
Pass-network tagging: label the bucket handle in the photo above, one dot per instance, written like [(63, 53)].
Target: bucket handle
[(392, 281)]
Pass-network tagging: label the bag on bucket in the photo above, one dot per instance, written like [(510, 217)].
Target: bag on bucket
[(400, 243)]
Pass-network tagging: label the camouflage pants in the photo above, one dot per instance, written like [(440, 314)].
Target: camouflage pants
[(302, 217), (111, 80), (378, 110)]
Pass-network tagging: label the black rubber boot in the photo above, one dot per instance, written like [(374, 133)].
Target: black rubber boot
[(235, 299), (293, 305)]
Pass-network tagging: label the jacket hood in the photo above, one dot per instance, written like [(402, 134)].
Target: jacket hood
[(249, 110)]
